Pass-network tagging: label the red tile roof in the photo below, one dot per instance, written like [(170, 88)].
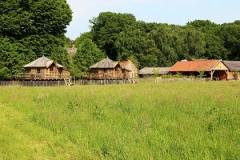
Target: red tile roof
[(194, 66)]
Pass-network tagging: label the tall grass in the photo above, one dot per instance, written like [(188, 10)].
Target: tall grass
[(168, 120)]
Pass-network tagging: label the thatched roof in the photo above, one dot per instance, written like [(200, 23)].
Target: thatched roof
[(105, 63), (154, 70), (42, 62), (128, 65), (233, 66)]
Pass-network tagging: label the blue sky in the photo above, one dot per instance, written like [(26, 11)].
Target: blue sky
[(162, 11)]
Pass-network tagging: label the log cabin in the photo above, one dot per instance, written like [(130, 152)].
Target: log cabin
[(45, 69), (113, 70), (212, 69)]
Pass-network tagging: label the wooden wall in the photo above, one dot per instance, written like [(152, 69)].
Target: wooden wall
[(121, 71), (46, 73), (109, 73), (233, 75)]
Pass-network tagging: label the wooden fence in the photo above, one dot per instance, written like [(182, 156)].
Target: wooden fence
[(32, 83), (62, 83), (104, 82)]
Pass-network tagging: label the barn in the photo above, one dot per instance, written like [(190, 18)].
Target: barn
[(234, 69), (212, 69), (152, 71), (45, 69), (115, 70)]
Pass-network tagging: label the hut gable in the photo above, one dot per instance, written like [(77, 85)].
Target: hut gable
[(198, 66), (154, 70), (233, 66), (42, 62)]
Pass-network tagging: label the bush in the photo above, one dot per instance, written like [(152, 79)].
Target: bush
[(4, 73)]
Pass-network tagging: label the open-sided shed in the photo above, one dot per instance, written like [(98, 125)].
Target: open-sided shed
[(213, 69)]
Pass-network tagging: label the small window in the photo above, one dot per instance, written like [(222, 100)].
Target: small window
[(38, 70), (51, 69)]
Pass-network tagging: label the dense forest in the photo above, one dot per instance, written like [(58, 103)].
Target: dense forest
[(30, 29), (121, 36)]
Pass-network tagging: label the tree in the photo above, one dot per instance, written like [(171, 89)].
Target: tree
[(27, 17), (230, 34), (106, 28), (156, 44), (4, 73), (138, 45), (195, 43), (33, 29), (11, 60), (87, 55), (84, 36)]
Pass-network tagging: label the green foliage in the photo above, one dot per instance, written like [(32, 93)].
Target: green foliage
[(201, 74), (11, 58), (84, 36), (32, 29), (87, 54), (27, 17), (137, 44), (4, 73), (153, 44), (60, 55), (106, 28), (168, 120), (230, 33)]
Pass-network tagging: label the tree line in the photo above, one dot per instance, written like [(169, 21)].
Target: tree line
[(30, 29), (121, 36)]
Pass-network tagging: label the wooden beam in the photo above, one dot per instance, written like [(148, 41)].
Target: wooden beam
[(211, 75)]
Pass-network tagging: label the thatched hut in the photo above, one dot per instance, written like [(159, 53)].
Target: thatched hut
[(129, 69), (45, 69), (115, 70), (212, 69), (152, 71)]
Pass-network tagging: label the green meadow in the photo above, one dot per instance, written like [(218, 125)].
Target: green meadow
[(165, 121)]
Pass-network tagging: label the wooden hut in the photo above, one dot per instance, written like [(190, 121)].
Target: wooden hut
[(129, 69), (212, 69), (115, 70), (45, 69), (152, 71), (234, 69)]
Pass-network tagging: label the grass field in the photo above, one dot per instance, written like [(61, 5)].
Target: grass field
[(167, 121)]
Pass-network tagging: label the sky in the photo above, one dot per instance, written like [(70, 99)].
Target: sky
[(162, 11)]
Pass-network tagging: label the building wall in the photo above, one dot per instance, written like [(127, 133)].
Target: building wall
[(46, 73), (115, 73), (233, 75)]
